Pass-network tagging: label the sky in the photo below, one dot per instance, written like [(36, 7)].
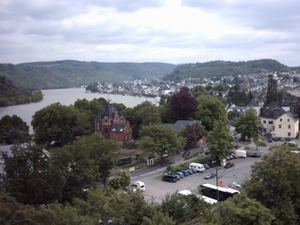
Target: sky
[(168, 31)]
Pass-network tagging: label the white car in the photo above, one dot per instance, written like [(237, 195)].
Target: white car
[(236, 185)]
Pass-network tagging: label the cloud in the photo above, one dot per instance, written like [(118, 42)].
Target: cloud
[(173, 31)]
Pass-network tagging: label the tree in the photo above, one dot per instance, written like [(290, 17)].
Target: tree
[(121, 180), (145, 112), (183, 105), (248, 124), (219, 141), (210, 109), (274, 183), (182, 208), (13, 130), (148, 115), (53, 124), (240, 209), (28, 176), (189, 134), (158, 140), (272, 94)]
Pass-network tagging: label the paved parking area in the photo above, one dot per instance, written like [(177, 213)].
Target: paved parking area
[(156, 189)]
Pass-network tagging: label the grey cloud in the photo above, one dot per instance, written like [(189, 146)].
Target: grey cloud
[(273, 15)]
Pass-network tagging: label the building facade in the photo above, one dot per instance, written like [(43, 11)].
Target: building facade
[(112, 124)]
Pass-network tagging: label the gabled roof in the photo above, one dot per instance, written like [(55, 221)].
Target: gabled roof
[(272, 111), (290, 115), (109, 112), (180, 124)]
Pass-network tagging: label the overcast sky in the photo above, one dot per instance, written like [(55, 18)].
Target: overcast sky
[(170, 31)]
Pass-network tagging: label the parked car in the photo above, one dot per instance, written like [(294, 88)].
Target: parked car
[(170, 178), (206, 165), (288, 139), (210, 176), (276, 138), (185, 172), (235, 185), (270, 139), (177, 175), (186, 153), (227, 158), (281, 139), (235, 156), (191, 171), (255, 155), (228, 165), (180, 173), (207, 151)]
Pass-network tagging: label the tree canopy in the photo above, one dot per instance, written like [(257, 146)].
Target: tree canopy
[(210, 109), (53, 124), (274, 183), (183, 105), (219, 141), (159, 140), (248, 124), (13, 130)]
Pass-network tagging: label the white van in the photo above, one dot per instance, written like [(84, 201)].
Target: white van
[(197, 166), (241, 153), (184, 192), (138, 185)]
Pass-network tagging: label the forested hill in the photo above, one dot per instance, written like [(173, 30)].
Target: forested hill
[(226, 68), (11, 95), (71, 73)]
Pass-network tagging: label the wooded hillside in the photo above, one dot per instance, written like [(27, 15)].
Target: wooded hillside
[(71, 73), (226, 68)]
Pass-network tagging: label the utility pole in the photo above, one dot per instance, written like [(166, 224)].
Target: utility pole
[(217, 183)]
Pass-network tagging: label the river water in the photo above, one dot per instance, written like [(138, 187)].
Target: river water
[(67, 97)]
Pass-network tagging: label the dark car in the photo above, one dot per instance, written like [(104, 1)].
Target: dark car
[(170, 178), (210, 176), (281, 139), (288, 139), (276, 138), (270, 139), (206, 166), (206, 151), (255, 155), (228, 165), (185, 154)]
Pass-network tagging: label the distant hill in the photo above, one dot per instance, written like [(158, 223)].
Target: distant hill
[(226, 68), (11, 95), (71, 73)]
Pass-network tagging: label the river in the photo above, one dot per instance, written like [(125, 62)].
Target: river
[(67, 97)]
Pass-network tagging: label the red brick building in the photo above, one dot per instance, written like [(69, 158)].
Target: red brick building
[(112, 124)]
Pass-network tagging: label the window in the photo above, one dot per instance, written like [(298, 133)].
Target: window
[(270, 122), (280, 119), (289, 126), (264, 121), (279, 126), (289, 134), (288, 120)]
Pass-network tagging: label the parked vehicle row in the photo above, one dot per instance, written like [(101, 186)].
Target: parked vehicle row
[(193, 168)]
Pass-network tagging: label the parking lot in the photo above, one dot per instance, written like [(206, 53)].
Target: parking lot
[(156, 189)]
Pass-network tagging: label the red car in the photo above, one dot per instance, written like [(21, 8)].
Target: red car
[(235, 156)]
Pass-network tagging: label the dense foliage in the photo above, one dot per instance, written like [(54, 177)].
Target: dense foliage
[(11, 95), (224, 68), (13, 130), (70, 73)]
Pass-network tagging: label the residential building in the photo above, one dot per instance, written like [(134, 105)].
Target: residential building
[(112, 124)]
